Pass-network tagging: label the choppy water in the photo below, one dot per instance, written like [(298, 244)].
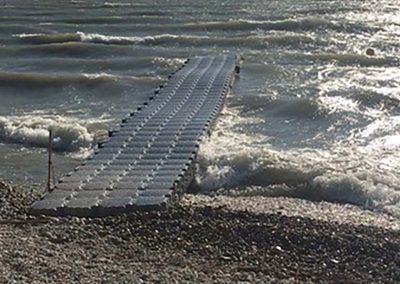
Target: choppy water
[(311, 116)]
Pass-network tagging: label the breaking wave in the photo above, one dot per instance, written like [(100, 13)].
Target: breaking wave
[(301, 108), (293, 24), (158, 39), (41, 38), (237, 163), (104, 39), (306, 23), (40, 80), (70, 134), (254, 41), (116, 4)]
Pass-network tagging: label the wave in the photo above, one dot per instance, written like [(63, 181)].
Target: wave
[(376, 100), (158, 39), (346, 58), (249, 41), (139, 19), (298, 108), (373, 92), (238, 163), (170, 62), (100, 38), (41, 38), (116, 4), (41, 80), (139, 65), (70, 134), (72, 49), (306, 23)]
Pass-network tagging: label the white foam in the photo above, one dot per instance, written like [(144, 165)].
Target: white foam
[(70, 134), (356, 171), (105, 76), (99, 38), (116, 4), (99, 75), (24, 35), (170, 62), (336, 81), (90, 37), (310, 22)]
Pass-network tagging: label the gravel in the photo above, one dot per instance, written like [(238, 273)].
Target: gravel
[(220, 239)]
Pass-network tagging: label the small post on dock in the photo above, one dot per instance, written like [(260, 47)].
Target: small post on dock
[(50, 166)]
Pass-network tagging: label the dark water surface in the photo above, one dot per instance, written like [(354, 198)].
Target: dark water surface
[(311, 116)]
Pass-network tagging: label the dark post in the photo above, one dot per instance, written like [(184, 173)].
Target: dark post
[(49, 166)]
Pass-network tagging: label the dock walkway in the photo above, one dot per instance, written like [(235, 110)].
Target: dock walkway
[(148, 161)]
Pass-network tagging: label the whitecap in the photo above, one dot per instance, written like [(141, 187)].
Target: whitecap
[(70, 134)]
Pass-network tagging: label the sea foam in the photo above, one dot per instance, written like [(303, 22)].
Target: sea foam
[(70, 134), (236, 162)]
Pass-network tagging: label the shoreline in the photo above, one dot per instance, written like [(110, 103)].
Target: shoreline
[(204, 239), (295, 207)]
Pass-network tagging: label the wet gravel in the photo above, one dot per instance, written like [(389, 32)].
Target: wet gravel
[(196, 242)]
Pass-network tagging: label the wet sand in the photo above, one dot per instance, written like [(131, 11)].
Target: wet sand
[(205, 239)]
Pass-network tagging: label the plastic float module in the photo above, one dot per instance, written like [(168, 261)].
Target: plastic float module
[(148, 161)]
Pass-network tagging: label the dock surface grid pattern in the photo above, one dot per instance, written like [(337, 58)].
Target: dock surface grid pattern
[(148, 161)]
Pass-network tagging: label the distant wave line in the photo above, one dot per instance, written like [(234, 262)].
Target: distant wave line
[(40, 80), (255, 41)]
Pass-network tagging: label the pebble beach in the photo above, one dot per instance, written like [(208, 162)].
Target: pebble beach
[(215, 239)]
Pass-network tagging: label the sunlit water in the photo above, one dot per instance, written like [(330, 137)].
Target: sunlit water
[(311, 116)]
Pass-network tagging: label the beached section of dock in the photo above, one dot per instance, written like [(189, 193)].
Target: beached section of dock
[(148, 161)]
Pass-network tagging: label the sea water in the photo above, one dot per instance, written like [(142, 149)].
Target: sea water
[(311, 115)]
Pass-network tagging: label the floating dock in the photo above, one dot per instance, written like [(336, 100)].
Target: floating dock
[(148, 161)]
